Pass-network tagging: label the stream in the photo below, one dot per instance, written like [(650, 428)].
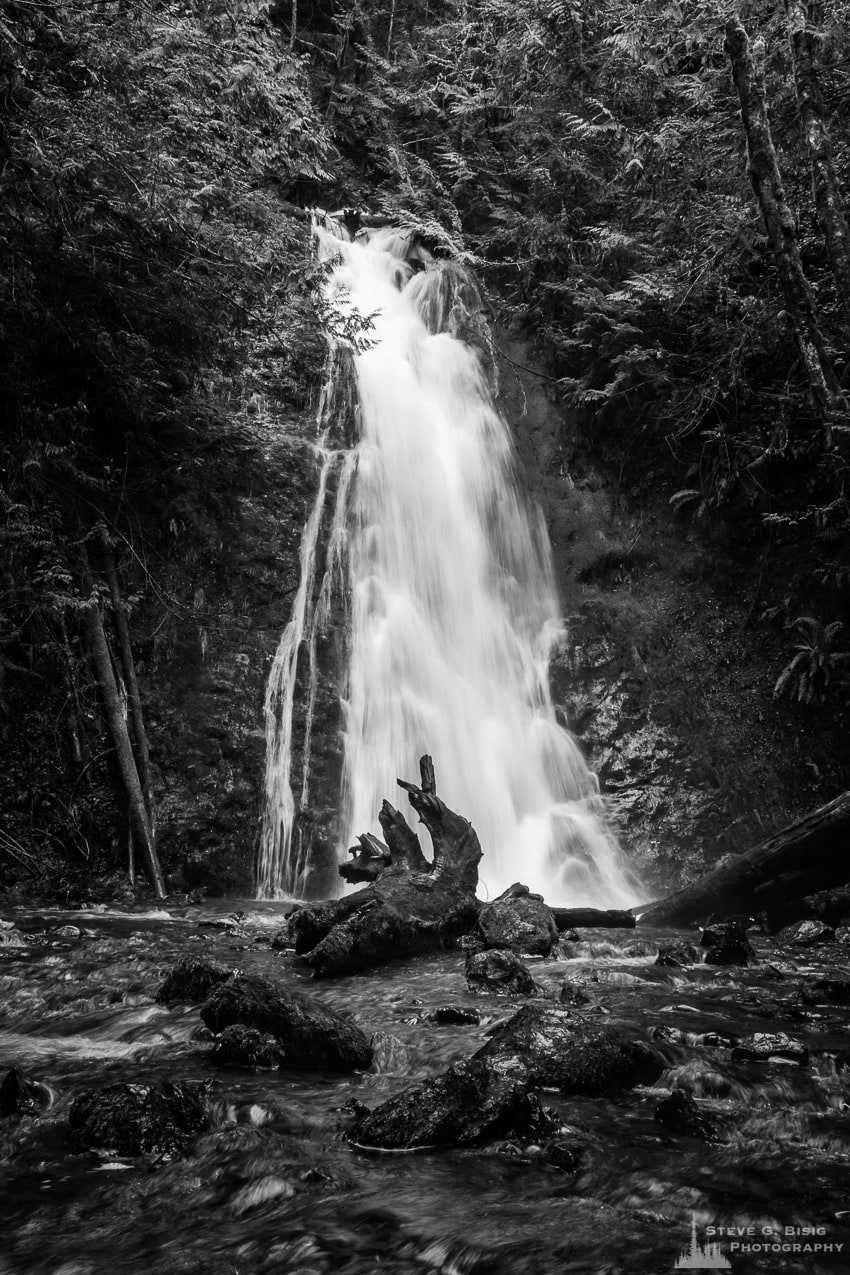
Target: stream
[(274, 1187)]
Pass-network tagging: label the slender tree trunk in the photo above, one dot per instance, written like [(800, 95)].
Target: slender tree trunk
[(134, 699), (73, 715), (390, 32), (293, 30), (93, 625), (805, 42), (763, 168)]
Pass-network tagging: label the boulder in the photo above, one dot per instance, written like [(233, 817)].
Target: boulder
[(831, 988), (556, 1049), (131, 1120), (766, 1047), (240, 1046), (192, 980), (312, 1034), (726, 943), (680, 1113), (808, 934), (472, 1102), (677, 954), (518, 921), (572, 994), (20, 1094), (499, 972), (457, 1015)]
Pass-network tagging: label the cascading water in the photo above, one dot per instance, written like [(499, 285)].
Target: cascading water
[(451, 602)]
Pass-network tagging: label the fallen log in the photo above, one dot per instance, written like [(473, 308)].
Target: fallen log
[(412, 906), (607, 918), (815, 846)]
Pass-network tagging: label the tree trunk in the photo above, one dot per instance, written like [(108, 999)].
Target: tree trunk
[(134, 699), (763, 168), (808, 855), (413, 906), (93, 625), (805, 41), (293, 31)]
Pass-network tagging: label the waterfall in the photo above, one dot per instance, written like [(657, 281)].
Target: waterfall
[(451, 605)]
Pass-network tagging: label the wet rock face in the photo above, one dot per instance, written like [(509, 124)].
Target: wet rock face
[(680, 1114), (192, 981), (456, 1015), (808, 934), (518, 921), (765, 1047), (312, 1034), (832, 988), (20, 1093), (132, 1120), (240, 1046), (499, 972), (726, 943), (554, 1048), (472, 1102), (677, 955)]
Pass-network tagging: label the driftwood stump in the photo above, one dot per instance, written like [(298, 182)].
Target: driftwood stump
[(412, 905)]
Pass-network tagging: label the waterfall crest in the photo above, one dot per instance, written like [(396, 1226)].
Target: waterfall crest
[(451, 605)]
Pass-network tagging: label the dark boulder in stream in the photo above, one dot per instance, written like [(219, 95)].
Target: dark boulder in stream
[(132, 1120), (831, 988), (726, 943), (312, 1034), (472, 1102), (499, 972), (240, 1046), (680, 1114), (519, 921), (192, 980), (677, 955), (20, 1094), (766, 1047), (558, 1049)]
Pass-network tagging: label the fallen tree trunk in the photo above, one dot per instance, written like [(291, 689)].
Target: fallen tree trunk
[(609, 919), (814, 846), (412, 906)]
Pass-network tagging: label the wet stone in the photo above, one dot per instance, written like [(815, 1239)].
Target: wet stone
[(192, 980), (518, 921), (312, 1034), (20, 1093), (832, 988), (240, 1046), (726, 943), (809, 934), (677, 955), (554, 1048), (770, 1046), (572, 994), (499, 972), (133, 1120), (680, 1114), (472, 1102), (457, 1015)]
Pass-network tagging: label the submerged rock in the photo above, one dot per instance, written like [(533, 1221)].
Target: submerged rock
[(554, 1048), (498, 971), (312, 1034), (240, 1046), (769, 1046), (726, 943), (472, 1102), (519, 921), (458, 1015), (677, 954), (572, 994), (192, 979), (20, 1093), (832, 988), (680, 1113), (131, 1120)]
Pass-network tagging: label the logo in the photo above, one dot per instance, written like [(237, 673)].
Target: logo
[(702, 1257)]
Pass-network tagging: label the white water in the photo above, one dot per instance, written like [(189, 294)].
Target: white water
[(452, 606)]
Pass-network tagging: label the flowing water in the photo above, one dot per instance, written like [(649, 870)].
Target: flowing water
[(451, 603), (273, 1188)]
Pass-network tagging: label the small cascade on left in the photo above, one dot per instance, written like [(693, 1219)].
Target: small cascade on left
[(287, 862)]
